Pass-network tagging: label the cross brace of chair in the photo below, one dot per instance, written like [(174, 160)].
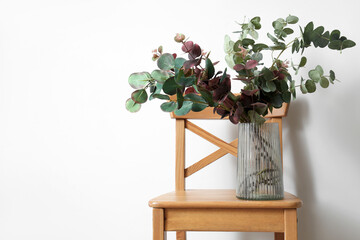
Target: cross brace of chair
[(225, 148)]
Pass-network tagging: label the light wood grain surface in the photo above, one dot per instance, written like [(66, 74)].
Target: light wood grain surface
[(218, 198)]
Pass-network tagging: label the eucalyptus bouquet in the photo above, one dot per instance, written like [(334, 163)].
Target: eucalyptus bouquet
[(195, 85)]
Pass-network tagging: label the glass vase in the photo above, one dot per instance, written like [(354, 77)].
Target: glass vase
[(259, 170)]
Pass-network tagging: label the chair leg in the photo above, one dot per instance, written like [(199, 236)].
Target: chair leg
[(290, 220), (181, 235), (158, 224), (278, 236)]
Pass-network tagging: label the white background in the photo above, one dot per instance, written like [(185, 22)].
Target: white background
[(74, 164)]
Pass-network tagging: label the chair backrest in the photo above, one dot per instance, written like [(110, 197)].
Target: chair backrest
[(183, 122)]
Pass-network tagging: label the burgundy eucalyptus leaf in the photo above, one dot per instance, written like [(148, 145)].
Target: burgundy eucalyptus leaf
[(187, 46), (174, 55), (222, 112), (191, 63), (222, 90), (249, 93), (195, 51), (234, 119), (250, 64), (190, 90), (259, 104), (239, 67)]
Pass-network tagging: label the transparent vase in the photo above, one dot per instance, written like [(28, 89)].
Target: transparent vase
[(259, 170)]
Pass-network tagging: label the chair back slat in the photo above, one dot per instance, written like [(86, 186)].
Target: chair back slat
[(208, 113)]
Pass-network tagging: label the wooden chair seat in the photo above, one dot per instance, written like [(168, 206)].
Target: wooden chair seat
[(218, 198)]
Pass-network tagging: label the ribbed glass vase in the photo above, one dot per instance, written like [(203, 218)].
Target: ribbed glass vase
[(259, 171)]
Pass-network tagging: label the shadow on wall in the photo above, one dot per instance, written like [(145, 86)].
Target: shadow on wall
[(317, 220), (301, 161)]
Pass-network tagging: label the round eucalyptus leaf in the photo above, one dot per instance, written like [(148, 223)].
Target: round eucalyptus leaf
[(160, 75), (139, 96), (314, 75), (303, 62), (139, 80), (288, 31), (348, 44), (186, 107), (168, 106), (335, 45), (170, 86), (320, 70), (198, 107), (324, 82), (292, 19), (310, 86), (179, 62), (335, 35), (166, 61), (132, 106), (271, 86)]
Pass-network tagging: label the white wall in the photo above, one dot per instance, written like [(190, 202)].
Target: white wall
[(75, 165)]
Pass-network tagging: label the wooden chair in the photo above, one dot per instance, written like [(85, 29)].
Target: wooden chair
[(218, 210)]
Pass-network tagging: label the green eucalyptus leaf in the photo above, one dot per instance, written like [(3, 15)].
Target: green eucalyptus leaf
[(186, 108), (228, 45), (322, 41), (160, 75), (332, 76), (279, 24), (307, 33), (170, 86), (320, 70), (194, 97), (186, 81), (257, 56), (166, 61), (207, 97), (256, 22), (310, 86), (295, 46), (230, 61), (292, 19), (348, 44), (316, 33), (161, 96), (255, 117), (254, 34), (198, 107), (139, 96), (179, 62), (303, 62), (132, 106), (286, 96), (158, 88), (288, 31), (259, 46), (168, 106), (277, 100), (179, 97), (314, 75), (303, 87), (335, 35), (139, 80), (324, 82), (209, 68), (271, 86), (335, 44), (247, 41)]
